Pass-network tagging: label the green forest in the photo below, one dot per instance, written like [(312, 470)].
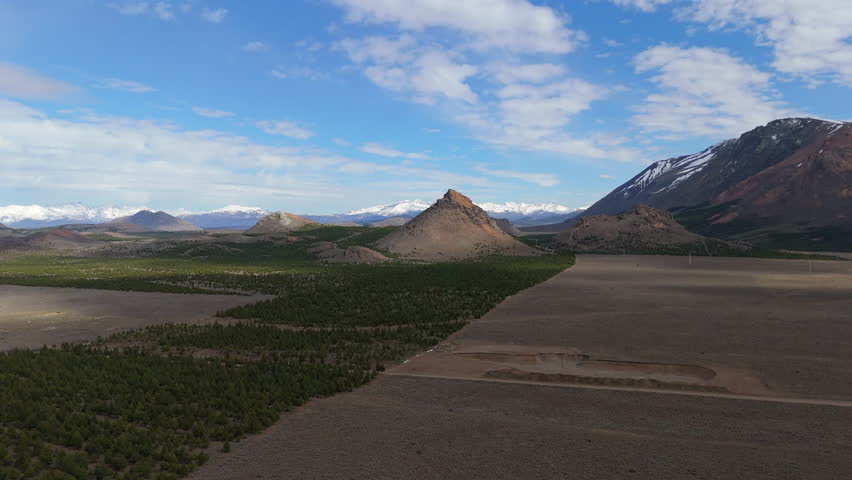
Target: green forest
[(156, 402)]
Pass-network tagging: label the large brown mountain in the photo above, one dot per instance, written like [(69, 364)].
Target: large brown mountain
[(453, 228), (148, 221), (279, 222), (791, 178), (642, 229)]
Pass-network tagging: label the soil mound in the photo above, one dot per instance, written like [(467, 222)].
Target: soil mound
[(453, 228), (279, 222)]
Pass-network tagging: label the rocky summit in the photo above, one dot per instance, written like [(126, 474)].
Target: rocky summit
[(453, 228)]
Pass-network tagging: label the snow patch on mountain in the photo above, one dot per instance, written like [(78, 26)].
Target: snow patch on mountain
[(405, 207), (680, 169)]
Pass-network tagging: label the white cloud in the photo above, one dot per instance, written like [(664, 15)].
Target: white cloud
[(533, 102), (127, 86), (398, 65), (379, 149), (810, 40), (612, 43), (123, 160), (382, 50), (19, 82), (164, 11), (531, 72), (704, 92), (214, 15), (541, 179), (341, 142), (536, 118), (256, 46), (210, 113), (643, 5), (607, 177), (131, 8), (516, 25), (285, 73), (285, 128)]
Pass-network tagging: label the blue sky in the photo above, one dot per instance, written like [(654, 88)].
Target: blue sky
[(321, 106)]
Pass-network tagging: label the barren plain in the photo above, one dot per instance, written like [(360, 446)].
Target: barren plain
[(34, 316), (737, 339)]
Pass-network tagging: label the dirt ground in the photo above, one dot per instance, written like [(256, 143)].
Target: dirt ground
[(770, 327), (34, 316), (769, 330), (422, 428)]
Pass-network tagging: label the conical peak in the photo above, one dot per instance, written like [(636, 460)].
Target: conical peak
[(456, 197)]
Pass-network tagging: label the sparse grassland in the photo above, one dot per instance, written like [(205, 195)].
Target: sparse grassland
[(152, 403)]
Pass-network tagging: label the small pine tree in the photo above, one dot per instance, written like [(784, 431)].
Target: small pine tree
[(226, 447)]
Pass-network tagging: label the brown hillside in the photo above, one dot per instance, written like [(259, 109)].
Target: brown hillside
[(642, 229), (55, 239), (279, 222), (453, 228)]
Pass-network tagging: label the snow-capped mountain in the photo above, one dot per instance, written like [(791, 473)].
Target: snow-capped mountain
[(518, 213), (790, 175), (37, 216), (232, 216)]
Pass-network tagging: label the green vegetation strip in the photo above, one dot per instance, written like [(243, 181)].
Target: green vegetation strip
[(153, 403)]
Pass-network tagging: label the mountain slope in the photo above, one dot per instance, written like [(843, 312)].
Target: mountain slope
[(507, 226), (148, 221), (790, 176), (454, 227), (47, 240), (279, 222)]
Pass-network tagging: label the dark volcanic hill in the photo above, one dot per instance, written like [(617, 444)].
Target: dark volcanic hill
[(642, 229), (453, 228), (790, 177), (279, 222), (148, 221)]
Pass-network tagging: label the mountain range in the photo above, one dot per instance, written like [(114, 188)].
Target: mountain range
[(235, 216), (785, 184)]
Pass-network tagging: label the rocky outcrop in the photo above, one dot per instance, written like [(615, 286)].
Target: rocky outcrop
[(642, 229), (279, 222)]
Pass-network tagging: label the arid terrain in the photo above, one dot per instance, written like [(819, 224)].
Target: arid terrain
[(34, 316), (755, 350)]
